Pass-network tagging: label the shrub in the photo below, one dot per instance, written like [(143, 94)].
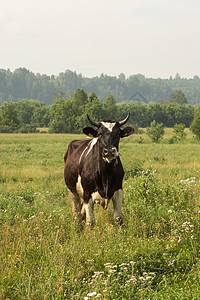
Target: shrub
[(155, 131)]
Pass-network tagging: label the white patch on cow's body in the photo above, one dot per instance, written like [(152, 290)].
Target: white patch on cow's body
[(82, 154), (117, 204), (90, 220), (108, 125), (88, 208), (96, 197), (88, 148), (91, 145), (79, 187)]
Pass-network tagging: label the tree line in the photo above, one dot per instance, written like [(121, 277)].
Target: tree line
[(70, 115), (24, 84)]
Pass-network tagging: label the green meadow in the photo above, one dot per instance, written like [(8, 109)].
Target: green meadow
[(154, 255)]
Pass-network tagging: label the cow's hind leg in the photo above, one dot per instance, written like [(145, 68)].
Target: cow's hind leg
[(76, 207), (117, 206)]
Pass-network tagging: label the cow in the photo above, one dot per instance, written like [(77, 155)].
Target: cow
[(93, 170)]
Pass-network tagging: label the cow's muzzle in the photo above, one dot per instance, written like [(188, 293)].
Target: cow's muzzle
[(110, 153)]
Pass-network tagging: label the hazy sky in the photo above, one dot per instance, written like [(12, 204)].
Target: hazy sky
[(156, 38)]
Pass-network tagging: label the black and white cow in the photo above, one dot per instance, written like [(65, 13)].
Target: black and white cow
[(93, 170)]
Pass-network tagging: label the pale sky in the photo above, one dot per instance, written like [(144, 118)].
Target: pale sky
[(156, 38)]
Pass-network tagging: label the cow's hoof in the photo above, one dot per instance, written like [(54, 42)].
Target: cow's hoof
[(90, 224), (119, 220)]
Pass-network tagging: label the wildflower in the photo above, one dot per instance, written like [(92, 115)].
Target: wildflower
[(112, 271), (123, 264), (107, 264), (92, 294), (171, 263), (169, 211)]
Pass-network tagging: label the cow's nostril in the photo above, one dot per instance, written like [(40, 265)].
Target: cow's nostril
[(114, 151), (105, 152)]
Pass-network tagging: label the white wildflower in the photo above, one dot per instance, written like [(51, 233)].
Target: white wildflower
[(92, 294)]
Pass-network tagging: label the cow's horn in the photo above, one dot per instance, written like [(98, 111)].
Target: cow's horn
[(93, 122), (121, 123)]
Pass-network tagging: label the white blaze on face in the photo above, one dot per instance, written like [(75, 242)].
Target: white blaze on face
[(108, 125)]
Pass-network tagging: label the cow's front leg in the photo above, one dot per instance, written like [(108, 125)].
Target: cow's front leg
[(117, 206), (89, 210)]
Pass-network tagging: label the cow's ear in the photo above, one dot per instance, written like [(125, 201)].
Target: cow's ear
[(127, 131), (91, 132)]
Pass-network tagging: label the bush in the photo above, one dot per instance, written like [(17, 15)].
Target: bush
[(195, 126), (28, 128), (6, 129), (179, 133), (155, 131)]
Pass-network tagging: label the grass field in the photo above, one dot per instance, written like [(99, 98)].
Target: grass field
[(154, 255)]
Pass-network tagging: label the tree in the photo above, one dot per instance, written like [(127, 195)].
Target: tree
[(156, 112), (195, 126), (62, 117), (94, 107), (79, 101), (57, 95), (178, 97), (122, 77), (41, 116), (110, 107), (8, 117), (155, 131)]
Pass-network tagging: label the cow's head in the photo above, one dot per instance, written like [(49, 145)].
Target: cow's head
[(108, 134)]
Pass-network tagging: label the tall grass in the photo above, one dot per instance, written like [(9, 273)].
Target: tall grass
[(154, 255)]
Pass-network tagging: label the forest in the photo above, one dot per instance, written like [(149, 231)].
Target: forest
[(24, 84), (70, 115)]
